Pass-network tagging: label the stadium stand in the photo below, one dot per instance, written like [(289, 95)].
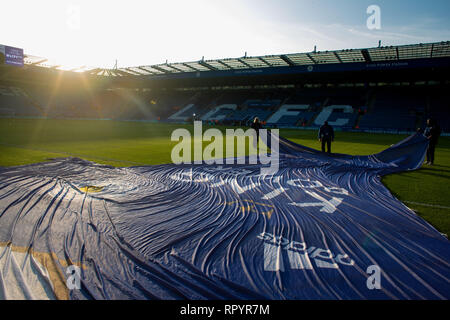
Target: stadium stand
[(14, 101), (289, 115), (380, 109), (237, 97), (185, 113), (337, 115), (357, 89), (253, 108), (220, 112), (394, 110), (438, 108), (246, 116)]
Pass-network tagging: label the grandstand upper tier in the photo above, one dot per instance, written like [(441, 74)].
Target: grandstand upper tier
[(337, 57)]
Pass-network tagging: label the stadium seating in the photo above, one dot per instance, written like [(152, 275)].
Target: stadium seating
[(16, 102), (349, 119), (393, 110), (383, 120), (439, 109), (289, 115), (385, 109), (312, 97), (245, 116), (251, 108), (219, 113), (237, 97), (184, 113), (337, 115)]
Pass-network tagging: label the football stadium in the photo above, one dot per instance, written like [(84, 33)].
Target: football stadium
[(92, 205)]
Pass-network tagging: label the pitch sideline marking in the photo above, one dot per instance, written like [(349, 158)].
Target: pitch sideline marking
[(427, 205)]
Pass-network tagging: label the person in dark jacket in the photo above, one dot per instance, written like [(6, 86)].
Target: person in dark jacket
[(326, 136), (432, 132), (256, 125)]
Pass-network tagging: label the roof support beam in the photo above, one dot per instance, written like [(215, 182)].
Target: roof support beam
[(264, 61), (127, 72), (244, 63), (311, 58), (223, 63), (287, 60), (145, 70), (94, 71), (206, 65), (337, 57), (191, 67), (77, 69), (39, 62), (123, 73), (366, 55), (133, 72), (171, 66), (160, 69)]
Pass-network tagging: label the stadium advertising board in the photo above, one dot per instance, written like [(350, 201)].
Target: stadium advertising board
[(2, 54), (12, 56)]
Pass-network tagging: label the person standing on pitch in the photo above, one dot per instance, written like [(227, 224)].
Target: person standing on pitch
[(326, 136), (432, 132), (256, 125)]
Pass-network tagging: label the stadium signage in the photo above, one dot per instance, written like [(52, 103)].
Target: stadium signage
[(388, 65), (249, 71), (13, 56)]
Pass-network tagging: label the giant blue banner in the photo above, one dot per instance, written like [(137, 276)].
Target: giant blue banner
[(322, 227)]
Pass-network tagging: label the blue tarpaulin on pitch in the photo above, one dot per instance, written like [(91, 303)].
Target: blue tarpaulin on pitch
[(322, 227)]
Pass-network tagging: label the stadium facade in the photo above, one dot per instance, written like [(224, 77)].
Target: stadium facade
[(387, 89)]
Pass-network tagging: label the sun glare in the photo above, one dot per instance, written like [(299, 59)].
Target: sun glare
[(96, 34)]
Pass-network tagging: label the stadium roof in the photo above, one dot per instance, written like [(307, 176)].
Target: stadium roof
[(46, 63), (380, 54)]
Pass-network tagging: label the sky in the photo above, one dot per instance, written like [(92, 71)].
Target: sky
[(96, 33)]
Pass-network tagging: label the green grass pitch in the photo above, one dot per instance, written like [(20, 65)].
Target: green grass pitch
[(121, 144)]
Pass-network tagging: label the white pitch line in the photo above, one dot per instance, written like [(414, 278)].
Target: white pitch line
[(427, 205)]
